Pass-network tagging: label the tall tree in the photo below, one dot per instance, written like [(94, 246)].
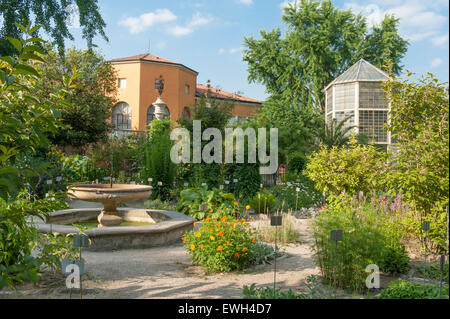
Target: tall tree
[(86, 117), (53, 16), (321, 42)]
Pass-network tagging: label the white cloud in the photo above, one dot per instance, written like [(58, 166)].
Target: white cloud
[(436, 62), (246, 2), (440, 40), (235, 50), (139, 24), (419, 20), (221, 51), (197, 20), (73, 18)]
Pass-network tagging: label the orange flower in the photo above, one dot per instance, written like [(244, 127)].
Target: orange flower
[(195, 223), (207, 219), (237, 255), (224, 219), (228, 243), (244, 249), (236, 203), (221, 233), (253, 240), (210, 211), (248, 207), (211, 230), (192, 247), (198, 235), (231, 224), (184, 240), (201, 246), (181, 232), (250, 230), (220, 248)]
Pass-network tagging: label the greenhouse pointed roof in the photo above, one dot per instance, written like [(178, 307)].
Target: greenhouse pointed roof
[(361, 71)]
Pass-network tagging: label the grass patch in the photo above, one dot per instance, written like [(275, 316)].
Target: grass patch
[(288, 232)]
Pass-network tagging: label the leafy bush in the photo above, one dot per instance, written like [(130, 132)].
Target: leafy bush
[(288, 232), (307, 197), (349, 169), (263, 202), (158, 164), (372, 234), (248, 179), (221, 245), (297, 162), (402, 289), (18, 238), (201, 202)]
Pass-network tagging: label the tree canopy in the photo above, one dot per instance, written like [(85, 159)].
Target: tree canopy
[(53, 16), (85, 118), (320, 43)]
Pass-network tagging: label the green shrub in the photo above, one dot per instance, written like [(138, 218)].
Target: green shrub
[(158, 164), (221, 245), (349, 169), (201, 202), (297, 162), (248, 179), (402, 289), (18, 238), (263, 202), (372, 234), (308, 196)]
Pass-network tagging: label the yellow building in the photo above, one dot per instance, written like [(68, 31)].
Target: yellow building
[(138, 78)]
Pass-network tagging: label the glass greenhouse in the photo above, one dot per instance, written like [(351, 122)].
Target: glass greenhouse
[(357, 95)]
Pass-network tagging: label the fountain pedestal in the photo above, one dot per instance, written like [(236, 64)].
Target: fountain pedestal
[(110, 197)]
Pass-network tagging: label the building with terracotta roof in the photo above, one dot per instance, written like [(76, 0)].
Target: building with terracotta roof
[(138, 78)]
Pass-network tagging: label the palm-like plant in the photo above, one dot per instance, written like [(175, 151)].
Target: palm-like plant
[(335, 133)]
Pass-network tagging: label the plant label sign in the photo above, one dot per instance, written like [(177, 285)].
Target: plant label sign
[(288, 184), (235, 180), (260, 185), (203, 184), (80, 241), (67, 268), (336, 235), (297, 189), (276, 220), (425, 225), (221, 187), (159, 183), (227, 182), (133, 183), (150, 179), (49, 182), (58, 179), (186, 184), (203, 207)]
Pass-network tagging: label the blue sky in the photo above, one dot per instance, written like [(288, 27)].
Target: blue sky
[(207, 35)]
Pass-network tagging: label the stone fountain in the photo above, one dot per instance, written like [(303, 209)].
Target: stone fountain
[(110, 195)]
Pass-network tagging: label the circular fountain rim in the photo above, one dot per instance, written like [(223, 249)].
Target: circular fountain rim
[(106, 188)]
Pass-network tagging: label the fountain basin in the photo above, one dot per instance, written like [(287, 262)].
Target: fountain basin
[(110, 196), (167, 228)]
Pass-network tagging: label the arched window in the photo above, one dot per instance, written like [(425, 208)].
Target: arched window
[(150, 114), (122, 116), (186, 114)]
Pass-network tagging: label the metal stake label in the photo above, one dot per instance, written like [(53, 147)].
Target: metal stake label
[(81, 241), (276, 220), (66, 262), (425, 225), (336, 235)]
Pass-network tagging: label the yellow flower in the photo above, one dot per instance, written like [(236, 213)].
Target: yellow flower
[(220, 248), (192, 247), (248, 207), (195, 223), (211, 237), (184, 240), (198, 235)]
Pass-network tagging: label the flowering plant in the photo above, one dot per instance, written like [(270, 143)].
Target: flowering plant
[(221, 244)]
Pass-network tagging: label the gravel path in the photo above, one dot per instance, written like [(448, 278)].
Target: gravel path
[(166, 272)]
